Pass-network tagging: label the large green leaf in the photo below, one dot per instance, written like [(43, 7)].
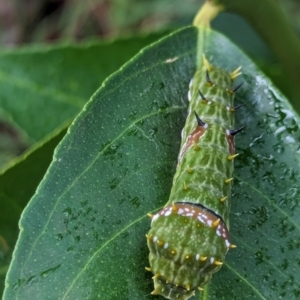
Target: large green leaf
[(28, 169), (82, 234)]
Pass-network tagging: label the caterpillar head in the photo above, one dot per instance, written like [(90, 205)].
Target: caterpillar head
[(171, 291)]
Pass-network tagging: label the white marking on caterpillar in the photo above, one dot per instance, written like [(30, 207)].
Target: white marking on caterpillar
[(189, 95), (191, 82), (212, 259), (168, 212), (205, 126), (197, 257), (166, 245), (155, 239), (155, 217), (180, 211), (182, 133), (209, 222), (200, 219)]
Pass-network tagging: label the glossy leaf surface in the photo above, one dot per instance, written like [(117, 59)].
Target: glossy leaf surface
[(83, 232)]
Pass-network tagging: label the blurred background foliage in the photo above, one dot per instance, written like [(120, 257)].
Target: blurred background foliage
[(55, 21), (44, 22)]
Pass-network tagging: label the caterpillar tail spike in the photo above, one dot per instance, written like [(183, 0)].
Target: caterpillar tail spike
[(218, 263), (203, 258), (190, 170), (228, 180), (202, 96), (223, 199), (237, 87), (232, 157), (196, 147), (185, 186), (174, 208), (236, 107), (199, 121), (208, 81), (233, 132), (155, 292), (235, 73), (215, 223), (206, 64)]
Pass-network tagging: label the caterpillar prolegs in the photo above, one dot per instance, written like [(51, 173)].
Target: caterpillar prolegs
[(189, 238)]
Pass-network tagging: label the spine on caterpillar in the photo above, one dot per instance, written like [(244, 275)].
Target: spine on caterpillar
[(189, 238)]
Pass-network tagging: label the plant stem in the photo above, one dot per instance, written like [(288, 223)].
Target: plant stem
[(206, 14)]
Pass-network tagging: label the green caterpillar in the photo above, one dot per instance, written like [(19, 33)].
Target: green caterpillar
[(189, 238)]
